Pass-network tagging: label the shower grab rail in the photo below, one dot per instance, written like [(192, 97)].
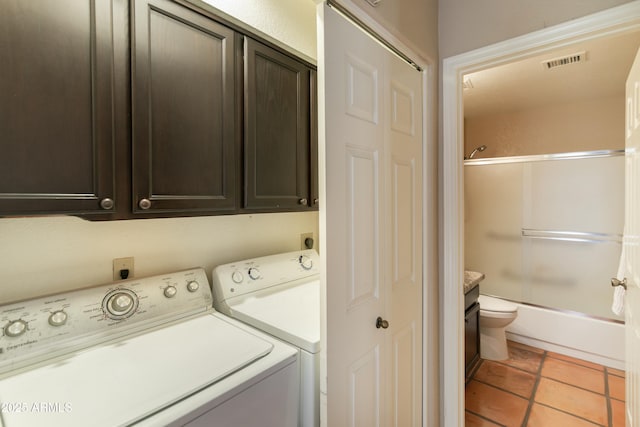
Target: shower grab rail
[(571, 236)]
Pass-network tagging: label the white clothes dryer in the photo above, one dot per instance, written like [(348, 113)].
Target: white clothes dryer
[(279, 294)]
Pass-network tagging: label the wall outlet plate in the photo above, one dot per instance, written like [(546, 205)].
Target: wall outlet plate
[(304, 237), (120, 264)]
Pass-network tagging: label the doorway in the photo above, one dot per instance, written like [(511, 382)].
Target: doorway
[(618, 20)]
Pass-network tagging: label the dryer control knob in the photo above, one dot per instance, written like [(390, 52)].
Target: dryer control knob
[(254, 273), (170, 291), (58, 318), (237, 277), (193, 286), (305, 262)]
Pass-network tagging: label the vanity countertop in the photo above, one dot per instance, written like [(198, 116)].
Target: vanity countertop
[(472, 279)]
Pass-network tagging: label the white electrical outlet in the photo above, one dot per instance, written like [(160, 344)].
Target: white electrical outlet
[(303, 238), (120, 265)]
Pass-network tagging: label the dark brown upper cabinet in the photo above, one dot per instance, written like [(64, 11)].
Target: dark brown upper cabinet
[(57, 101), (186, 157), (277, 130), (116, 109)]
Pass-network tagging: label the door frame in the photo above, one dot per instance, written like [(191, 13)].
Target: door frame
[(612, 21), (430, 300)]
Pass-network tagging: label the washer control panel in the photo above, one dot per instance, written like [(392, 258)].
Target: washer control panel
[(53, 324), (252, 275)]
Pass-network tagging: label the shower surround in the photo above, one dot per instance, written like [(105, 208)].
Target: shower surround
[(546, 232)]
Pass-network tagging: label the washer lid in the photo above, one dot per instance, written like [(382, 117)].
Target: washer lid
[(123, 382), (498, 305), (289, 313)]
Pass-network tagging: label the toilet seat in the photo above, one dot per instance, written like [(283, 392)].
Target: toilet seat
[(495, 305)]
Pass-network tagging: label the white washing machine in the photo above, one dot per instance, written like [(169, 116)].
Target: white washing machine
[(147, 352), (279, 294)]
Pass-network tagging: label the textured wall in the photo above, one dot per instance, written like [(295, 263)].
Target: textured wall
[(585, 126)]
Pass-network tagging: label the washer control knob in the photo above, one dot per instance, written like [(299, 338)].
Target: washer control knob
[(254, 273), (58, 318), (170, 291), (193, 286), (120, 303), (305, 262), (15, 328), (237, 277)]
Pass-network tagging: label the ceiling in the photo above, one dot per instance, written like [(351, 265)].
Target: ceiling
[(529, 84)]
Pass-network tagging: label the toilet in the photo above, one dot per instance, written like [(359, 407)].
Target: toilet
[(495, 316)]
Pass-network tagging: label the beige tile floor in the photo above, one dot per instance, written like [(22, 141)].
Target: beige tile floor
[(538, 388)]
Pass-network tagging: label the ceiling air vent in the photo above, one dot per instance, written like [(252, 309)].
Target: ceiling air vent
[(466, 83), (564, 60)]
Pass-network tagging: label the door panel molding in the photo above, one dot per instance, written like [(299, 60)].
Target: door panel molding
[(364, 390), (363, 172), (362, 89)]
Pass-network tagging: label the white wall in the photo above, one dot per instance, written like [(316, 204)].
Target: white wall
[(413, 22), (468, 24), (50, 254), (45, 255), (291, 22)]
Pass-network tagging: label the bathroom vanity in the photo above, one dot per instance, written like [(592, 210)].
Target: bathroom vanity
[(471, 285)]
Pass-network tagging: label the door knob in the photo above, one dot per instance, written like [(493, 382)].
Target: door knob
[(615, 282), (381, 323)]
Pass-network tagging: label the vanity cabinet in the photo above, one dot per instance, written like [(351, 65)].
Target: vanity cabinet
[(278, 130), (471, 330), (57, 100)]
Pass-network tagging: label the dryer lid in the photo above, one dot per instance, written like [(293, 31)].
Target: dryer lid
[(291, 313)]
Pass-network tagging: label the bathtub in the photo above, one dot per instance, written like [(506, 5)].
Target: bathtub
[(576, 335)]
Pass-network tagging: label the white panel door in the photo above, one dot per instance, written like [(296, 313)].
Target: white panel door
[(373, 152), (403, 130), (631, 244)]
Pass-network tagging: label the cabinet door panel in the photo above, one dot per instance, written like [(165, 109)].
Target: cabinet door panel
[(471, 337), (314, 195), (185, 153), (276, 129), (56, 104)]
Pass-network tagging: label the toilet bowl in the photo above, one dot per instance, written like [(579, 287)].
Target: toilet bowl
[(495, 316)]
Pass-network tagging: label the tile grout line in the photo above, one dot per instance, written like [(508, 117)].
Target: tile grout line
[(485, 418), (575, 386), (608, 397), (525, 421), (473, 372), (580, 417), (504, 390)]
